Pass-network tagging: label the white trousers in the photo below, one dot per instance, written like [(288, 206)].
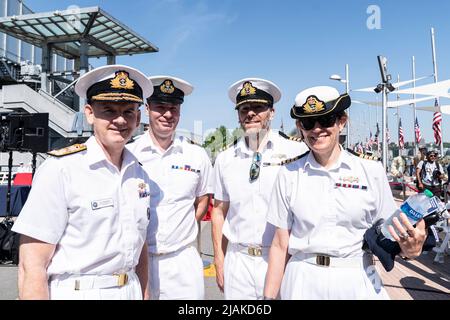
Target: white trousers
[(63, 288), (244, 275), (177, 275), (306, 281)]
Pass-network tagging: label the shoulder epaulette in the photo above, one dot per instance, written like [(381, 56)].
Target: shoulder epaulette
[(284, 135), (193, 142), (362, 155), (283, 162), (68, 150)]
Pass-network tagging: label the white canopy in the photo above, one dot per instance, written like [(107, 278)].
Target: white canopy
[(438, 89), (396, 85), (444, 109), (394, 104)]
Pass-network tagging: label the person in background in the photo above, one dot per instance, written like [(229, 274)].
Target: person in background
[(429, 174), (398, 166)]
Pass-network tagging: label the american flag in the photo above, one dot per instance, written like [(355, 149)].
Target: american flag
[(359, 148), (417, 131), (388, 136), (377, 133), (369, 142), (437, 120), (401, 138)]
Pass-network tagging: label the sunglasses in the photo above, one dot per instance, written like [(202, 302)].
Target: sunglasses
[(255, 167), (324, 121)]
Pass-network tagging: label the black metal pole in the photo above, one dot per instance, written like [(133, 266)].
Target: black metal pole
[(8, 193), (33, 164), (404, 188)]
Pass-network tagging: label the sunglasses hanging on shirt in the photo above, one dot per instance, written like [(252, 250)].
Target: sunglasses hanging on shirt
[(255, 166)]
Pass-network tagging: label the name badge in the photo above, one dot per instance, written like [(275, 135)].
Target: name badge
[(103, 203)]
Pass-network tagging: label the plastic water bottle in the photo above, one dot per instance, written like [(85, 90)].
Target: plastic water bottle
[(415, 208)]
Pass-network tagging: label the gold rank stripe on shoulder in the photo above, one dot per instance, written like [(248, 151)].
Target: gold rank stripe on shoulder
[(282, 163), (68, 150), (284, 135), (363, 156)]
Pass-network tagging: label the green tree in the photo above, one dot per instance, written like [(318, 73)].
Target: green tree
[(218, 140)]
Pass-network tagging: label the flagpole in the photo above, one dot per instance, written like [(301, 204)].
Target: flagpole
[(384, 122), (347, 90), (433, 50), (398, 98), (414, 105)]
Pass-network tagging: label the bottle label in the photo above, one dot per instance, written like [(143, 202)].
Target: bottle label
[(434, 205), (410, 212)]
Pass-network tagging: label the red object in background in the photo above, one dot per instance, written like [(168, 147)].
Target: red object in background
[(23, 179), (207, 216)]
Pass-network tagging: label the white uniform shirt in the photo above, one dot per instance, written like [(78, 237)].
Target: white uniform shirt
[(95, 214), (178, 176), (329, 210), (245, 222)]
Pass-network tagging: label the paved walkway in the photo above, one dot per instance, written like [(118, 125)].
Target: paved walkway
[(419, 279)]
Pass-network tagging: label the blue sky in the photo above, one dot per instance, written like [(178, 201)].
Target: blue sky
[(296, 44)]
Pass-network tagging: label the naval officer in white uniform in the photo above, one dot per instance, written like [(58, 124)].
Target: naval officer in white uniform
[(84, 224), (322, 205), (181, 175), (244, 177)]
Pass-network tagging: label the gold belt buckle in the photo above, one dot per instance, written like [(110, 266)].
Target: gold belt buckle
[(253, 251), (323, 261), (122, 279)]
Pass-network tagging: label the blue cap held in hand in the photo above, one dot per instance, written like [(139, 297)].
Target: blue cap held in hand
[(383, 248)]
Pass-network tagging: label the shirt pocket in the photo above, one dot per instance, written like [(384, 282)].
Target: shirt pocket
[(101, 216), (184, 184)]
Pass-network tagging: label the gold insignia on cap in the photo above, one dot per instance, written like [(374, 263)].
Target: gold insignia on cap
[(122, 81), (167, 87), (247, 89), (313, 105)]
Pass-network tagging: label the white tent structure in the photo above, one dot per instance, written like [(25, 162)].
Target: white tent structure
[(445, 109), (394, 104), (438, 89), (396, 85)]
